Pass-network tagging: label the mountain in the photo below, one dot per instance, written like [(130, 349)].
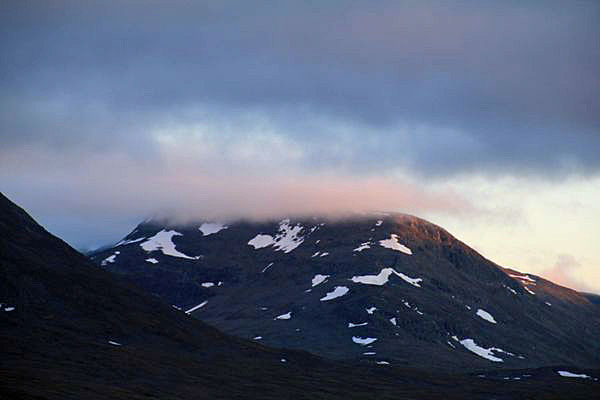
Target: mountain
[(374, 288), (69, 330)]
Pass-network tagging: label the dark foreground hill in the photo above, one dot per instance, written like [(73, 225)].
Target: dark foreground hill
[(373, 288), (69, 330)]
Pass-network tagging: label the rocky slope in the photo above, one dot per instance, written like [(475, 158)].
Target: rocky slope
[(385, 288)]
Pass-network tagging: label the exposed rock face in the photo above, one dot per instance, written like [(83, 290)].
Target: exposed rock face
[(428, 299)]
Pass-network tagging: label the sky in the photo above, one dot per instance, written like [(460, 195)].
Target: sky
[(480, 116)]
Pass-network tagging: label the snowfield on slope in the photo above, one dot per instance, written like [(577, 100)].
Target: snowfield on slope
[(259, 241), (363, 246), (209, 228), (287, 315), (318, 279), (528, 290), (383, 277), (394, 244), (163, 241), (522, 277), (568, 374), (111, 258), (338, 291), (486, 315), (129, 241), (286, 240), (191, 310), (470, 345), (288, 237), (363, 341)]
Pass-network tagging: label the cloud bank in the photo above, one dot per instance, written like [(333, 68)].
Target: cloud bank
[(117, 191), (441, 89)]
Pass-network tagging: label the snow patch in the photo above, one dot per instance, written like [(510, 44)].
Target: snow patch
[(522, 277), (267, 267), (8, 309), (351, 325), (393, 321), (208, 228), (288, 237), (208, 284), (528, 290), (129, 241), (371, 310), (412, 281), (260, 241), (338, 291), (163, 241), (191, 310), (378, 223), (511, 289), (110, 259), (568, 374), (287, 315), (415, 308), (394, 244), (486, 315), (324, 254), (318, 279), (114, 343), (383, 277), (363, 341), (363, 246), (257, 338), (382, 363), (286, 240), (152, 260), (470, 345)]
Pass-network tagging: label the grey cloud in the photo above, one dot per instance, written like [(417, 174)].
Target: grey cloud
[(438, 88)]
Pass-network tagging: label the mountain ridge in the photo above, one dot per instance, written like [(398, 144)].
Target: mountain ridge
[(435, 286), (69, 330)]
